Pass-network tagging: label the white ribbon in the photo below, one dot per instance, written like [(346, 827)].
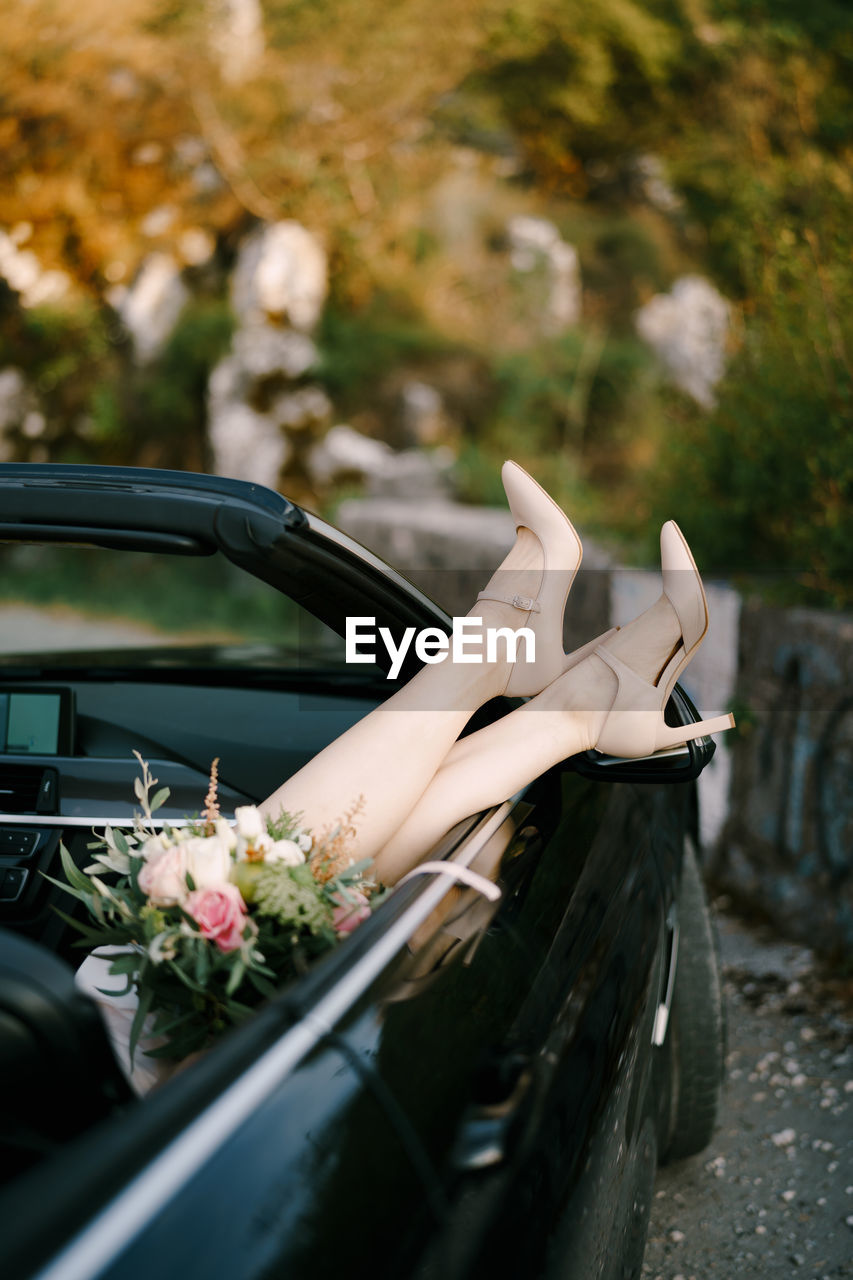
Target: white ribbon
[(462, 874)]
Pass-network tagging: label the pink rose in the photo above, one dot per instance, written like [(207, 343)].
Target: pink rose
[(163, 879), (220, 914), (350, 912)]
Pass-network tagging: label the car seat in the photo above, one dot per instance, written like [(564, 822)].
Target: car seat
[(57, 1070)]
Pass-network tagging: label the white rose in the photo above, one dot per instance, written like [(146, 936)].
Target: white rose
[(208, 861), (250, 824), (163, 877), (153, 847), (305, 841), (225, 833), (286, 851)]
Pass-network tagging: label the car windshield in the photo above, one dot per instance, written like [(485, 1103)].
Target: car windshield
[(87, 606)]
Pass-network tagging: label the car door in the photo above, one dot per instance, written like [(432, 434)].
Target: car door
[(522, 1058), (284, 1151)]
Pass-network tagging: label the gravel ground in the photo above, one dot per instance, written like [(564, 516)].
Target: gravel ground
[(772, 1196)]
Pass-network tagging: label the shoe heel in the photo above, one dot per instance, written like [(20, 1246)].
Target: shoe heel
[(676, 737)]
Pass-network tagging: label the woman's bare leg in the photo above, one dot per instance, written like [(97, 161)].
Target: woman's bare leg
[(487, 767), (388, 759)]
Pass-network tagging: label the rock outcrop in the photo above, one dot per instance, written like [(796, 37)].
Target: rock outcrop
[(687, 328), (263, 418), (538, 250)]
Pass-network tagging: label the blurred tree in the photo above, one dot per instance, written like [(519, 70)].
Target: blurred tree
[(121, 127)]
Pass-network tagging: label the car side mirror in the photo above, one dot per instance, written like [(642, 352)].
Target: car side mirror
[(680, 764)]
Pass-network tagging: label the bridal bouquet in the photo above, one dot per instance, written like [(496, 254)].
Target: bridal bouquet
[(206, 919)]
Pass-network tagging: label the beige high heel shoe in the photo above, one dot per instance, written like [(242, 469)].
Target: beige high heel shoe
[(562, 553), (635, 725)]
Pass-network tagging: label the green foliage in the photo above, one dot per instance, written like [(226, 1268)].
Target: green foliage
[(164, 408), (477, 473), (751, 105), (572, 394), (289, 895), (65, 351), (204, 596), (106, 417), (748, 103), (623, 264), (580, 81), (360, 345), (100, 409), (765, 483)]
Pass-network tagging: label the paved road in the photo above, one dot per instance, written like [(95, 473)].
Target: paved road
[(772, 1197), (26, 628)]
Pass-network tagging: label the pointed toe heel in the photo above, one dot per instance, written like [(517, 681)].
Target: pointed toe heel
[(635, 724), (562, 552)]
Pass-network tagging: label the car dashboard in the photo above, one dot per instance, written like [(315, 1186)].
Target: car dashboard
[(260, 733)]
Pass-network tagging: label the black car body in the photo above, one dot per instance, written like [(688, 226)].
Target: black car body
[(461, 1088)]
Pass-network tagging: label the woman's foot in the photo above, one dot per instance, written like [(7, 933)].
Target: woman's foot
[(531, 586), (589, 690), (519, 574), (619, 694)]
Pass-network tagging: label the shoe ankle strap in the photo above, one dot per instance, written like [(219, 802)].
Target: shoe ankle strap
[(526, 603)]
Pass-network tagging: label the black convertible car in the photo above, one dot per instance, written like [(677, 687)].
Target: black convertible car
[(462, 1088)]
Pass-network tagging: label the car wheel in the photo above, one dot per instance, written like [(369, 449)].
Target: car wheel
[(695, 1038)]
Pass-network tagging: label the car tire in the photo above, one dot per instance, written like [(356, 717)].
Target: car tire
[(695, 1038)]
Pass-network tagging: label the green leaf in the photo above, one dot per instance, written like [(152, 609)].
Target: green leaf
[(73, 874), (237, 1011), (122, 991), (261, 984), (127, 963), (184, 977), (146, 995), (178, 1046), (91, 937), (166, 1022), (160, 798), (120, 841), (202, 963), (235, 977), (357, 869), (66, 888)]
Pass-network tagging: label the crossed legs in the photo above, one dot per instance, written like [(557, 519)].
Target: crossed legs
[(415, 776), (387, 761)]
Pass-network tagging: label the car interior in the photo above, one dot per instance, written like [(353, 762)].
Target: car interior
[(104, 652)]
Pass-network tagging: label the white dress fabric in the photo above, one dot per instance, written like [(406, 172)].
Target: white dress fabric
[(94, 978)]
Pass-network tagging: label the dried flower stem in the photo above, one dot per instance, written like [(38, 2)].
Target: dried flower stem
[(333, 847), (210, 812)]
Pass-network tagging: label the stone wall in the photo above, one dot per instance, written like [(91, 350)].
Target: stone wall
[(777, 800), (787, 845)]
